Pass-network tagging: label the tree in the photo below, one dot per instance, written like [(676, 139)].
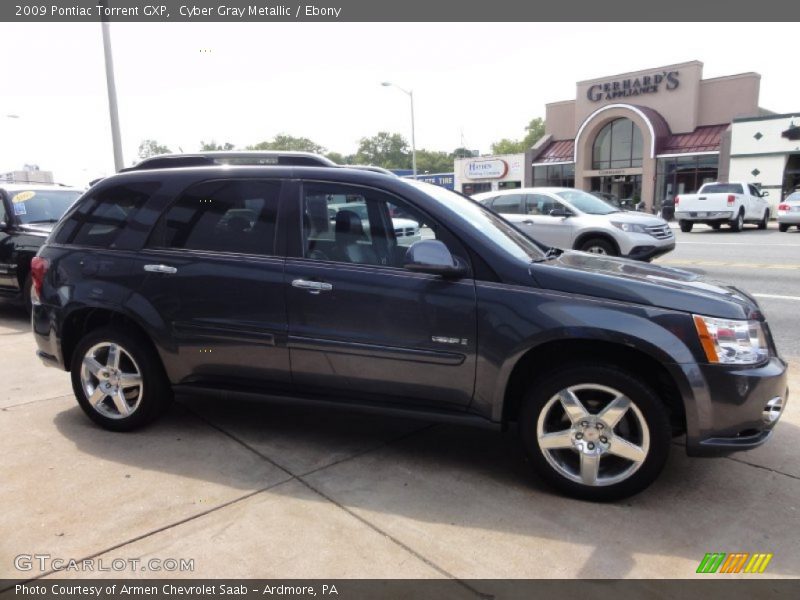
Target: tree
[(507, 146), (289, 143), (535, 130), (339, 158), (213, 146), (434, 161), (387, 150), (150, 148), (462, 152)]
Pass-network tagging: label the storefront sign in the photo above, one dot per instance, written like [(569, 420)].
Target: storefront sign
[(486, 169), (647, 84)]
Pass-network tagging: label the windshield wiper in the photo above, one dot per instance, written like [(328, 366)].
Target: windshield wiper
[(42, 221)]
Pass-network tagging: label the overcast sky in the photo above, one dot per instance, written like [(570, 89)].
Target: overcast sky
[(243, 83)]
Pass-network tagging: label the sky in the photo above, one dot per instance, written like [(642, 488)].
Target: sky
[(473, 83)]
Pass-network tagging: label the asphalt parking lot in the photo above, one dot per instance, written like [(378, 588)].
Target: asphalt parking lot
[(257, 490)]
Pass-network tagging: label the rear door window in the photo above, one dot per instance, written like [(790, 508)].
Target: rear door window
[(222, 216), (508, 204), (99, 221)]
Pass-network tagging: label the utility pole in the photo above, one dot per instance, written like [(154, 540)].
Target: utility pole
[(113, 112)]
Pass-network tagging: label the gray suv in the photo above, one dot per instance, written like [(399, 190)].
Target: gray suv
[(570, 218), (256, 281)]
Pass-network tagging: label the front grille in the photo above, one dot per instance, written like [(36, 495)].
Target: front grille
[(660, 232)]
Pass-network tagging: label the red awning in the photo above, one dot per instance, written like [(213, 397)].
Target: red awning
[(702, 139), (561, 151)]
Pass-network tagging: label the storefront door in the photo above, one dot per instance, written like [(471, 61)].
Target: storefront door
[(625, 189)]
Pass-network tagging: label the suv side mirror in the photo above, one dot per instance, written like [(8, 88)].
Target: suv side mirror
[(764, 194), (433, 257), (560, 212)]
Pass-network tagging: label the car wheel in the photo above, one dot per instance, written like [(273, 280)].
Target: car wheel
[(595, 432), (738, 223), (118, 380), (762, 224), (599, 246), (784, 227), (716, 226), (686, 226)]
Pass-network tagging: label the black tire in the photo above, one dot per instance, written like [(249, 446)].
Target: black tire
[(155, 392), (784, 227), (716, 226), (651, 410), (738, 223), (762, 224), (599, 246), (686, 226)]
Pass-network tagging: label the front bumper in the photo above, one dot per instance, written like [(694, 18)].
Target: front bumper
[(734, 408), (649, 252)]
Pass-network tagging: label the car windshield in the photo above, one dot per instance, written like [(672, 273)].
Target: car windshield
[(496, 229), (587, 203), (41, 206)]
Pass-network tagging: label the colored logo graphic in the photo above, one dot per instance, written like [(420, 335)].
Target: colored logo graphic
[(737, 562)]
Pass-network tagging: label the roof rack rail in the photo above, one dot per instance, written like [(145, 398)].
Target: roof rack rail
[(238, 158)]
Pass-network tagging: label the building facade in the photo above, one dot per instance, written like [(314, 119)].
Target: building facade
[(766, 151), (643, 136)]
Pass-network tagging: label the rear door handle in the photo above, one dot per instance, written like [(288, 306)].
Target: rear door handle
[(315, 287), (160, 269)]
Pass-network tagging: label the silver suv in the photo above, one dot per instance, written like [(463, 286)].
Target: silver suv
[(570, 218)]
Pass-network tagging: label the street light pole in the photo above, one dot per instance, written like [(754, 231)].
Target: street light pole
[(410, 94), (112, 97)]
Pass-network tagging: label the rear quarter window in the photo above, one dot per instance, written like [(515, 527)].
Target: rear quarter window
[(99, 219)]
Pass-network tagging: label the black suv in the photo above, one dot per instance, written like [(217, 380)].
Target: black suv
[(28, 212), (297, 282)]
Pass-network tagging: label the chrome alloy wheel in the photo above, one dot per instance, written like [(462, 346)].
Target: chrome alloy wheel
[(111, 380), (593, 434)]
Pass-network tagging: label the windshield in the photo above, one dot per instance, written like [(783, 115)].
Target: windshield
[(495, 228), (41, 206), (587, 203), (793, 197)]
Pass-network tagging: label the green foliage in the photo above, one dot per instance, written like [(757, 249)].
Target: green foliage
[(535, 130), (434, 161), (150, 148), (388, 150), (289, 143)]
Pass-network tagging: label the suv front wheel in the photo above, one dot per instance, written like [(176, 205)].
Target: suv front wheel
[(595, 432), (118, 380)]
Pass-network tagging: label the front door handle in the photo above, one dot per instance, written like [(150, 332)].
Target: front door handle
[(160, 269), (315, 287), (527, 222)]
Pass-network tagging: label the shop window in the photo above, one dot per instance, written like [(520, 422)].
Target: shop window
[(562, 175), (684, 175), (618, 145)]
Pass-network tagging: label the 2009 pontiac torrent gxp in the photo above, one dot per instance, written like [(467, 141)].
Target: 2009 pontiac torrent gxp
[(293, 280)]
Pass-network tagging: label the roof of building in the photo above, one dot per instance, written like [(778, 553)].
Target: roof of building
[(560, 151)]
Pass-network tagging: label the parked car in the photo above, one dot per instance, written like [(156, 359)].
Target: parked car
[(789, 212), (717, 204), (406, 231), (570, 218), (624, 204), (28, 212), (144, 289)]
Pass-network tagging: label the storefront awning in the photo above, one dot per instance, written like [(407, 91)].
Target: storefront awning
[(561, 151), (702, 139)]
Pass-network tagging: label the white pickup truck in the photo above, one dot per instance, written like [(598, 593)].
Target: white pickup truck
[(716, 204)]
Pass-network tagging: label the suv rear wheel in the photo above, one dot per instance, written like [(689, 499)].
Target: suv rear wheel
[(118, 380), (595, 432)]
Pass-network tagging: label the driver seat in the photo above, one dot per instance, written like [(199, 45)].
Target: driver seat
[(349, 232)]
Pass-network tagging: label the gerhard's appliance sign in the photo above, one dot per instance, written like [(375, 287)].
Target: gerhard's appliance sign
[(634, 86), (486, 169)]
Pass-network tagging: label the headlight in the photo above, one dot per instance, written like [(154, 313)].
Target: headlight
[(629, 227), (731, 342)]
